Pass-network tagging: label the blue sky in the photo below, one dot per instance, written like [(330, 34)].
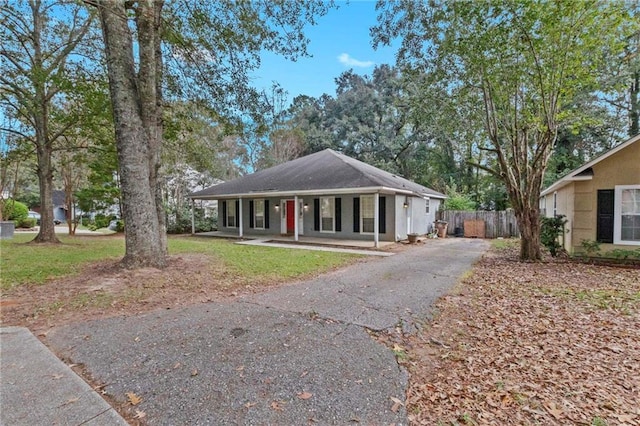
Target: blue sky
[(339, 42)]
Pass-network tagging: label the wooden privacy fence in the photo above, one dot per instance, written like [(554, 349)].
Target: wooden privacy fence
[(496, 223)]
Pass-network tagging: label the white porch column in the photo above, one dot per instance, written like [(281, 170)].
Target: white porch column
[(376, 218), (239, 213), (296, 213), (193, 217)]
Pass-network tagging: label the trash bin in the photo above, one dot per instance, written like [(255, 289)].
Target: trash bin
[(6, 229), (441, 226)]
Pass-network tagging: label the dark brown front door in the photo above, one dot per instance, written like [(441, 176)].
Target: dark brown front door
[(605, 216)]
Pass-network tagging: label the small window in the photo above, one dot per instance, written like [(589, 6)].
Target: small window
[(555, 204), (327, 214), (426, 201), (366, 214), (231, 214), (258, 214)]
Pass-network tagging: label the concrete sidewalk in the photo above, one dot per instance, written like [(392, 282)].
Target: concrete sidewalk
[(36, 388), (297, 246)]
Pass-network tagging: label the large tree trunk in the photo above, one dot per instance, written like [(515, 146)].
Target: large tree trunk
[(47, 232), (149, 19), (529, 223), (143, 233)]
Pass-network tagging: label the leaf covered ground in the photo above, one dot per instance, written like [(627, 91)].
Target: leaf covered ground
[(556, 342)]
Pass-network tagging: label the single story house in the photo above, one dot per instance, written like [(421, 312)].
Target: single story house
[(601, 200), (325, 194)]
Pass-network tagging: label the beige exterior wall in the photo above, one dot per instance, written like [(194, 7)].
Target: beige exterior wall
[(578, 200), (564, 206)]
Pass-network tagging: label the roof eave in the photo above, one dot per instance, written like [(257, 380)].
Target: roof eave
[(571, 176), (327, 191)]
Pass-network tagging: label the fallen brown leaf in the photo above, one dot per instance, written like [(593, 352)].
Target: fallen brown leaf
[(278, 405), (396, 404), (553, 410), (71, 401), (133, 398), (305, 395)]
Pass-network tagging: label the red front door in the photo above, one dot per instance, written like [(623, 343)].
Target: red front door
[(291, 216)]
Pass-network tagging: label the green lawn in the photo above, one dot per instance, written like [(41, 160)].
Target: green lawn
[(22, 263)]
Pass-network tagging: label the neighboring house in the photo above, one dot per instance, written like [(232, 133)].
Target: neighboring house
[(601, 200), (59, 208), (326, 194)]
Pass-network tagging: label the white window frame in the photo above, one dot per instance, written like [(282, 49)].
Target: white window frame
[(427, 202), (373, 213), (617, 215), (555, 204), (332, 208), (231, 205), (256, 203)]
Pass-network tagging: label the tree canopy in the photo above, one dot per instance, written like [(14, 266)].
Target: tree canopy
[(525, 61)]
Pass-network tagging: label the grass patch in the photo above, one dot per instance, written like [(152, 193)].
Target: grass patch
[(622, 300), (505, 244), (266, 262), (23, 263)]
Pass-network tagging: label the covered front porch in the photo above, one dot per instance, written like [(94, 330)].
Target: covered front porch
[(360, 219), (302, 240)]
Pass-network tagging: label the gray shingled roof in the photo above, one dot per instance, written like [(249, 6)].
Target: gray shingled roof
[(322, 171)]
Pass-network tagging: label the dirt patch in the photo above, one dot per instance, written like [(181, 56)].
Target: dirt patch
[(104, 289), (516, 343)]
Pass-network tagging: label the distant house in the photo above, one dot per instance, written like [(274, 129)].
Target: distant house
[(326, 194), (601, 200), (59, 207)]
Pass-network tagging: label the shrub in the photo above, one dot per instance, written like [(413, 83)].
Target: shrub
[(457, 200), (14, 210), (28, 222), (551, 229), (182, 223), (119, 226), (590, 248), (623, 254), (101, 221)]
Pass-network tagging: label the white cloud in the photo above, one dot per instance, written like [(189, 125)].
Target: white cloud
[(347, 60)]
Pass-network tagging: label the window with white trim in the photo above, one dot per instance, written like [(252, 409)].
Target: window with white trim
[(426, 200), (367, 214), (231, 214), (626, 218), (555, 204), (327, 214), (258, 214)]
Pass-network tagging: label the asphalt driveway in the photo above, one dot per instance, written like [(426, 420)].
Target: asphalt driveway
[(298, 354)]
